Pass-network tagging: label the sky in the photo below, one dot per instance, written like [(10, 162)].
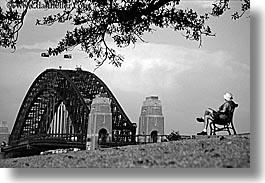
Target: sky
[(186, 78)]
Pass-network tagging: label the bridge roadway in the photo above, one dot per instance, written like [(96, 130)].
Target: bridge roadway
[(37, 144)]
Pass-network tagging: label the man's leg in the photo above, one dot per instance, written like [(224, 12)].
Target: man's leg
[(208, 116), (209, 112), (207, 119)]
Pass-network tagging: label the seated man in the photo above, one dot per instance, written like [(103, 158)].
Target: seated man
[(222, 115)]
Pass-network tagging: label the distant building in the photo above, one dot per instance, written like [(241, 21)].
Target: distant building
[(4, 132)]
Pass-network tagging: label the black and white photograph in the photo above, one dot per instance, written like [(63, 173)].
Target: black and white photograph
[(138, 84)]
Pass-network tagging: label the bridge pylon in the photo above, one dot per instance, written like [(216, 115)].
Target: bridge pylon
[(151, 120), (100, 122)]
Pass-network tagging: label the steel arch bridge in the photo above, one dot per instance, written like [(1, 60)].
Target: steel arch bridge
[(64, 96)]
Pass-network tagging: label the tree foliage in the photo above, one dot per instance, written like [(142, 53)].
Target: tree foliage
[(124, 21)]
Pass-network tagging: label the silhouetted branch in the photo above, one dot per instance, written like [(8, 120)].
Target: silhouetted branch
[(125, 22)]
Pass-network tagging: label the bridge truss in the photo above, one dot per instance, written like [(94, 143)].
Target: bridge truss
[(55, 111)]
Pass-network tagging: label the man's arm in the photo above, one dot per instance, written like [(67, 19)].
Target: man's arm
[(224, 108)]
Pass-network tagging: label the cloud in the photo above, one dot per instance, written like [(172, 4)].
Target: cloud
[(3, 4), (152, 68), (207, 4), (144, 68), (148, 65), (37, 46), (204, 4)]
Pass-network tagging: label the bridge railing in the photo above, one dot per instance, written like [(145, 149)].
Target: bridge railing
[(63, 137), (122, 140), (144, 139)]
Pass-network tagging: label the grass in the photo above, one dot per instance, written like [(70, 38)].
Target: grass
[(201, 152)]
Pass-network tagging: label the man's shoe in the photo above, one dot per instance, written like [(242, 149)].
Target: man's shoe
[(202, 133), (200, 119)]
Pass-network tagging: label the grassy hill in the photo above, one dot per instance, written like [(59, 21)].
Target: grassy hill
[(204, 151)]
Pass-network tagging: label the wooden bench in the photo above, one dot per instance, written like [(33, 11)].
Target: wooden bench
[(218, 126)]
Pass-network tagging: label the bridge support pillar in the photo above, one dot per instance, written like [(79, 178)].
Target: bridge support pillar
[(100, 123), (151, 120)]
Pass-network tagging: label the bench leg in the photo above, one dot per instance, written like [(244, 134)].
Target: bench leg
[(233, 128)]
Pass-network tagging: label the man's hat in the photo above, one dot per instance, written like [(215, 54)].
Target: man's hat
[(228, 96)]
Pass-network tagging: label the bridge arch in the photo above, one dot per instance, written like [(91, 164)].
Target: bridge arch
[(57, 92)]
